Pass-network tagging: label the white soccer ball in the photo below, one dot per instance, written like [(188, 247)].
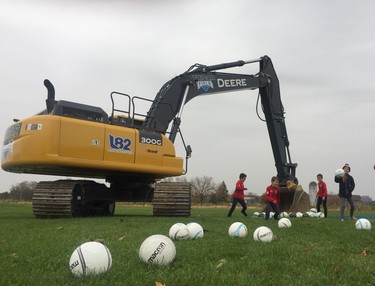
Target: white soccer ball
[(312, 214), (363, 223), (339, 173), (157, 249), (195, 230), (256, 214), (299, 214), (237, 229), (263, 234), (90, 258), (284, 214), (313, 210), (179, 231), (284, 223), (321, 214)]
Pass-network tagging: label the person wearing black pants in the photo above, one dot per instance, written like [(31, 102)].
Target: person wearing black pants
[(321, 195), (346, 187), (239, 196), (273, 198)]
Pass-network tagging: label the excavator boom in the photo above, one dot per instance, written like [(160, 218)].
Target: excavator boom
[(204, 80)]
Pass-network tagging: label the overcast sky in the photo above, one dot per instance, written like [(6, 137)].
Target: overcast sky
[(323, 52)]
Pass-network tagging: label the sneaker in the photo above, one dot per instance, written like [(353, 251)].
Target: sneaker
[(342, 219), (244, 213), (353, 218)]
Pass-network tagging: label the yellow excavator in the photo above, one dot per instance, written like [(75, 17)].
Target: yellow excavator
[(134, 151)]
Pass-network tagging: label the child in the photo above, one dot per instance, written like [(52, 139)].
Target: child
[(321, 195), (273, 198), (239, 196)]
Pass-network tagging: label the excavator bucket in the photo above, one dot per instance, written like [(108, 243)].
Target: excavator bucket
[(293, 198)]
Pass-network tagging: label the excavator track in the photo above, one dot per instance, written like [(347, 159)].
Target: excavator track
[(71, 198), (53, 199), (171, 199)]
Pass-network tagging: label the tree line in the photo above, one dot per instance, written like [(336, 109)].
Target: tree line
[(204, 190), (19, 192)]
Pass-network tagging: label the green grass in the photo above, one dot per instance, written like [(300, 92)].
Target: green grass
[(312, 252)]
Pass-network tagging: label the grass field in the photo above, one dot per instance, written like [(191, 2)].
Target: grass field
[(312, 252)]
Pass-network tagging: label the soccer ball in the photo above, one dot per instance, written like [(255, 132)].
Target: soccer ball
[(90, 258), (312, 214), (195, 230), (237, 229), (256, 214), (339, 173), (284, 214), (363, 223), (158, 250), (320, 214), (299, 214), (263, 234), (179, 231), (313, 210), (284, 223)]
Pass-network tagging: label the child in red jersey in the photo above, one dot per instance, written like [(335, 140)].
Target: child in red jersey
[(273, 198), (239, 196), (321, 195)]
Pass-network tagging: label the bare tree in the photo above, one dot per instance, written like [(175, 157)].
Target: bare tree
[(4, 196), (220, 196), (22, 191), (202, 187)]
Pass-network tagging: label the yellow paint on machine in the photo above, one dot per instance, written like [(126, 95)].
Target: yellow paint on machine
[(56, 144)]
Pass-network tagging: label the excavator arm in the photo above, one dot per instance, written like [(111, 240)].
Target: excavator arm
[(203, 80)]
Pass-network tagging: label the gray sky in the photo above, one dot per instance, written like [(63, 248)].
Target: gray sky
[(323, 53)]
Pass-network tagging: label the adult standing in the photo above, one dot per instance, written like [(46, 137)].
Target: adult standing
[(346, 187), (239, 196)]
